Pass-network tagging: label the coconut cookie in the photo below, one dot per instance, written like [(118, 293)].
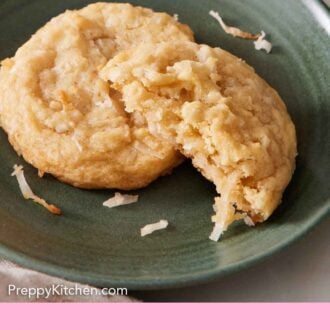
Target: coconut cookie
[(216, 110), (64, 119)]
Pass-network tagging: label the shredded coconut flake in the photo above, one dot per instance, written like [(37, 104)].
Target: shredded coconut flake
[(120, 199), (249, 222), (62, 128), (76, 142), (234, 31), (28, 193), (41, 173), (176, 17), (262, 43), (149, 229), (106, 103), (216, 232), (141, 147)]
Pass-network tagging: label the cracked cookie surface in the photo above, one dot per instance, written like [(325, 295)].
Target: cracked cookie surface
[(216, 110)]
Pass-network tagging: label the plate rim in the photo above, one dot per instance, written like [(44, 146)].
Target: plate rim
[(181, 281)]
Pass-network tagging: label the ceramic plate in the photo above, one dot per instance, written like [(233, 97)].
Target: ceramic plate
[(100, 246)]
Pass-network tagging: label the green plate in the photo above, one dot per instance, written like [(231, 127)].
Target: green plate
[(100, 246)]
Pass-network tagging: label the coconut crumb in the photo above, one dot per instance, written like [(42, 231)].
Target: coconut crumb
[(120, 199), (234, 31), (262, 43), (28, 193), (249, 222), (76, 142), (216, 232), (41, 173), (150, 228)]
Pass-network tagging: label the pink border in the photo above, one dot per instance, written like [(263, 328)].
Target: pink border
[(166, 316)]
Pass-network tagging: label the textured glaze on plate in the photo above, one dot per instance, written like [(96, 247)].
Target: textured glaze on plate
[(101, 246)]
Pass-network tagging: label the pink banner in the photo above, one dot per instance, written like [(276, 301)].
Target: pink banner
[(166, 316)]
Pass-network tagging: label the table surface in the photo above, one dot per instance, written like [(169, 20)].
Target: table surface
[(301, 272)]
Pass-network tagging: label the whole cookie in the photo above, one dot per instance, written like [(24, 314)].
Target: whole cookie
[(215, 109), (64, 119)]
